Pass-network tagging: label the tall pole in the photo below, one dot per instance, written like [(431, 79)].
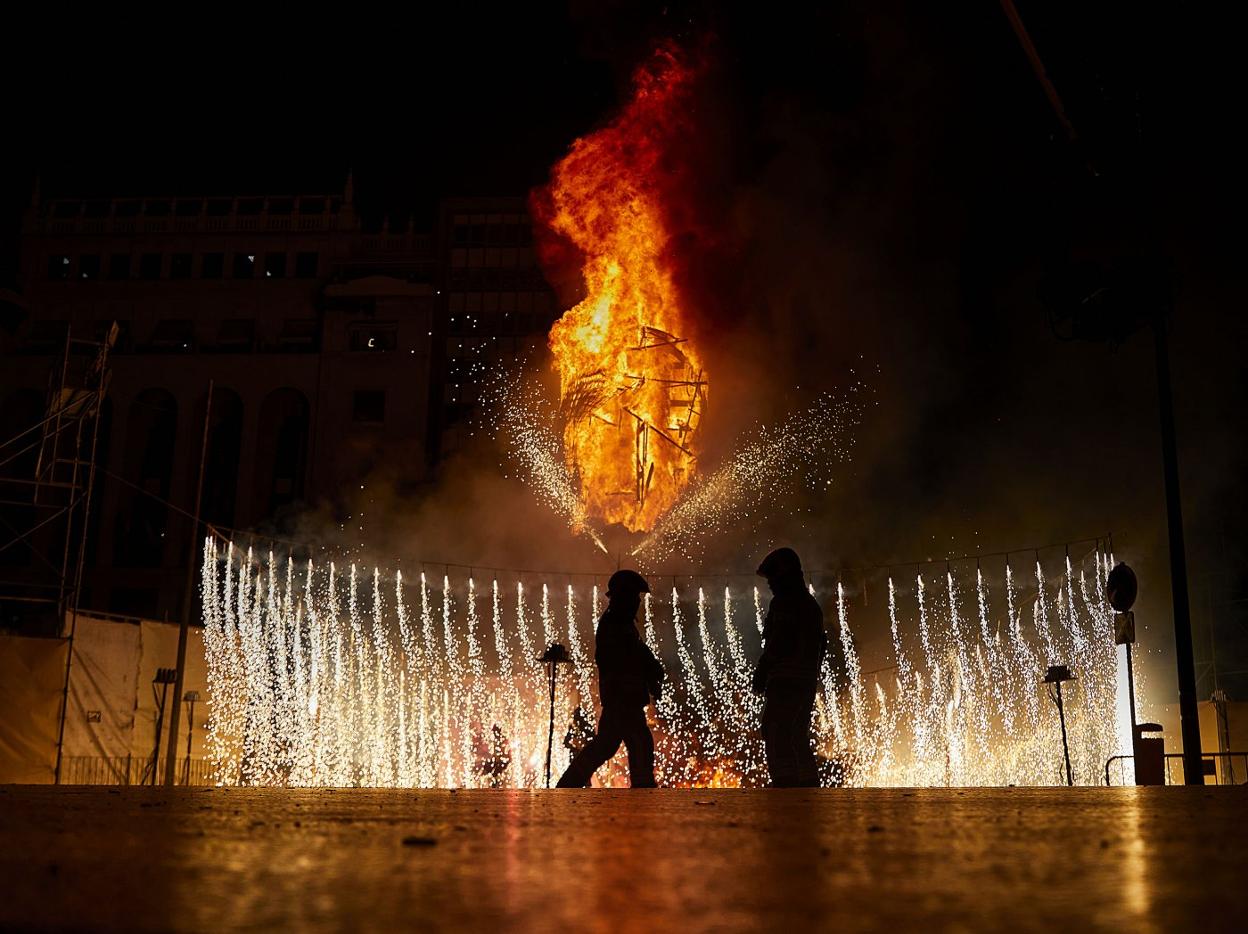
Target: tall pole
[(190, 732), (1131, 690), (82, 554), (1189, 716), (1061, 715), (550, 736), (171, 758)]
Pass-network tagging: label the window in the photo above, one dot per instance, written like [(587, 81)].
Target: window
[(250, 205), (212, 265), (237, 335), (119, 266), (175, 335), (275, 266), (281, 206), (58, 266), (149, 266), (299, 334), (97, 209), (368, 406), (127, 208), (189, 208), (180, 266), (89, 266), (244, 265), (311, 205), (220, 207), (46, 336), (374, 338), (156, 208), (63, 209), (305, 265)]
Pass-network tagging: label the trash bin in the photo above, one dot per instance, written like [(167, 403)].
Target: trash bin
[(1150, 754)]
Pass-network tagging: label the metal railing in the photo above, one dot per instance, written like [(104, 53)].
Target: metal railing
[(1226, 768), (130, 770)]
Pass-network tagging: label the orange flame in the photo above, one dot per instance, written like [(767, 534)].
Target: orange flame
[(633, 386)]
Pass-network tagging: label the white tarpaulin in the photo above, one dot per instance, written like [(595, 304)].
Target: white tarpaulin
[(110, 726), (32, 677), (113, 702)]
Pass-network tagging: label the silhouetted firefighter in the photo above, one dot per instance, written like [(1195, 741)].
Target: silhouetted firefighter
[(628, 675), (788, 672)]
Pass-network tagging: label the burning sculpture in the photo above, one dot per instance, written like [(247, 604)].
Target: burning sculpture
[(633, 386)]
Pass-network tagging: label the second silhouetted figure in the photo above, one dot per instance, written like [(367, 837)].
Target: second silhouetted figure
[(628, 674), (788, 672)]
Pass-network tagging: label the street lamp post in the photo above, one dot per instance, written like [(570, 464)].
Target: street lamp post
[(190, 697), (554, 656)]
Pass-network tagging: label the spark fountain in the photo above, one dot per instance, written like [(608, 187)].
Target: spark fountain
[(324, 676)]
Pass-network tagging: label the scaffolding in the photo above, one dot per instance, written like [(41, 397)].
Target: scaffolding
[(48, 512), (45, 509)]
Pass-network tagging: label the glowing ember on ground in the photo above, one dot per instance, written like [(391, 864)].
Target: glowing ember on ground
[(633, 386)]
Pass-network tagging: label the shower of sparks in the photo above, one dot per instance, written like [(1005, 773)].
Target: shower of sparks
[(766, 467), (530, 425), (320, 676), (761, 472)]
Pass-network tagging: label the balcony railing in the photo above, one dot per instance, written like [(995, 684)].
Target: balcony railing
[(70, 223)]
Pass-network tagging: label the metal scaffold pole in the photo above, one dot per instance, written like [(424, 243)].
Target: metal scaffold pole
[(96, 407), (171, 759)]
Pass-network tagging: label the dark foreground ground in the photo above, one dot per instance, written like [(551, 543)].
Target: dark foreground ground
[(1165, 859)]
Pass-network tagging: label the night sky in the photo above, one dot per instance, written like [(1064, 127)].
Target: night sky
[(896, 187)]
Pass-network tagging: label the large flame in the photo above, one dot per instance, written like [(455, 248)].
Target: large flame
[(633, 386)]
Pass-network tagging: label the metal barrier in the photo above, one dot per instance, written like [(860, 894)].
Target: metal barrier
[(1226, 768), (130, 770)]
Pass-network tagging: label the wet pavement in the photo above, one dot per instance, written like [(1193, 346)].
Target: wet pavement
[(1126, 859)]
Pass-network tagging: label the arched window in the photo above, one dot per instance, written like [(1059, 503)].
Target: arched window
[(151, 434), (281, 470), (225, 439)]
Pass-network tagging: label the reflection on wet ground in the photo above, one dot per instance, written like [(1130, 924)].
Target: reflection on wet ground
[(349, 859)]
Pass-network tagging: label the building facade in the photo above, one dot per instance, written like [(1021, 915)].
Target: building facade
[(331, 350), (498, 306)]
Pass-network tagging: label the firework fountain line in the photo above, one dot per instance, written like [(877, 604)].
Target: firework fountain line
[(321, 675)]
